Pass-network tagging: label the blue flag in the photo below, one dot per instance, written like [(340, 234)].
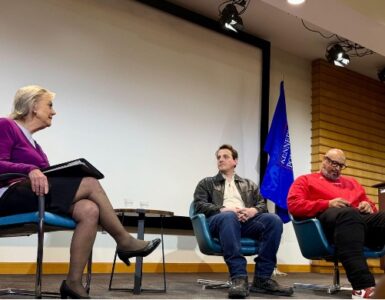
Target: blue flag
[(279, 172)]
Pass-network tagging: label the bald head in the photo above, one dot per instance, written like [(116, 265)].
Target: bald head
[(336, 154), (332, 164)]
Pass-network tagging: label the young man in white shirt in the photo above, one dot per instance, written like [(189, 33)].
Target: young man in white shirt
[(234, 208)]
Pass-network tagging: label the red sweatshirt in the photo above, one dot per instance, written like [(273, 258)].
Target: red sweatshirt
[(309, 194)]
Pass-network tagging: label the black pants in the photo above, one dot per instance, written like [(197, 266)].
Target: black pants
[(350, 231)]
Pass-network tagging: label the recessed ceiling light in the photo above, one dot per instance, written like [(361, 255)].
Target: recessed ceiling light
[(296, 2)]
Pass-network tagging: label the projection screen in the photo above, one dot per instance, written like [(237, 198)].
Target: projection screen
[(144, 96)]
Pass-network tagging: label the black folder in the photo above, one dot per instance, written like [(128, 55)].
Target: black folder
[(75, 168)]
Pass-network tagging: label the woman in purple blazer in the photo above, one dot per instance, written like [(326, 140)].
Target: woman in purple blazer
[(82, 198)]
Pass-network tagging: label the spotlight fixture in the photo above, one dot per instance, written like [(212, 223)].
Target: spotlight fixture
[(381, 75), (229, 16), (340, 50), (337, 55)]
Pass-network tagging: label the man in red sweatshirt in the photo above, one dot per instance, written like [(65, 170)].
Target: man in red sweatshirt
[(349, 218)]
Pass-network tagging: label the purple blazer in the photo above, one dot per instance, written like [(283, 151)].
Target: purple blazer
[(17, 155)]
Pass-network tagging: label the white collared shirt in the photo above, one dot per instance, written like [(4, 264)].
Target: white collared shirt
[(231, 197), (27, 134)]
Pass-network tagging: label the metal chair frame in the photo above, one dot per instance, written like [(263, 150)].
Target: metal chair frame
[(211, 246), (318, 248), (36, 222)]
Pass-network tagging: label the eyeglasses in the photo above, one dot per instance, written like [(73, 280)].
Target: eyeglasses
[(335, 163)]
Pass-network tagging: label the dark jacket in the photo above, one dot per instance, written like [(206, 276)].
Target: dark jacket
[(208, 195)]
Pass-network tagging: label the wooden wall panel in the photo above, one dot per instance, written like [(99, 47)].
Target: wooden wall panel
[(348, 112)]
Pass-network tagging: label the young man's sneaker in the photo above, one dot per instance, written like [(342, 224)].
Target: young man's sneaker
[(270, 286), (364, 293), (239, 288)]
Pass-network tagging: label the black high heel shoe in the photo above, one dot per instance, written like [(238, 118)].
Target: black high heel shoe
[(66, 292), (125, 255)]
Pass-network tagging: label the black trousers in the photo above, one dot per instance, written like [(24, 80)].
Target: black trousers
[(350, 231)]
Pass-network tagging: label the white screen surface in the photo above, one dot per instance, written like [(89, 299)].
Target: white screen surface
[(144, 96)]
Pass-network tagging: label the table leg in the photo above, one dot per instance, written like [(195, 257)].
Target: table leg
[(139, 260), (137, 287)]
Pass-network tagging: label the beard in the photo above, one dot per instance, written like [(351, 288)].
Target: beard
[(330, 176)]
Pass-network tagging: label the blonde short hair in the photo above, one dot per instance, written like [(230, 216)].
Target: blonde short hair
[(25, 98)]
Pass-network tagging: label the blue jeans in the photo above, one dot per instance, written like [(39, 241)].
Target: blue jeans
[(265, 228)]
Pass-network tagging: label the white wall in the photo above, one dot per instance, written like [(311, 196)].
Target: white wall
[(145, 97), (125, 102)]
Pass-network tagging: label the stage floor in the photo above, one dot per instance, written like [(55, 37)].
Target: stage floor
[(179, 286)]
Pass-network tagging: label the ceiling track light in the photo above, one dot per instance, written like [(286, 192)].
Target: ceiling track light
[(229, 16), (381, 75), (336, 55), (340, 50)]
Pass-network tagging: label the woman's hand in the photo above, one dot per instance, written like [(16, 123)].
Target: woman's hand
[(39, 182)]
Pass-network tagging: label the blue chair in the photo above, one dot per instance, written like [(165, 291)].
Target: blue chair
[(314, 245), (38, 222), (210, 246)]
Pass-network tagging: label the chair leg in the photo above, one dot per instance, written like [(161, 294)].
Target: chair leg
[(336, 279), (39, 268), (115, 255), (39, 259), (213, 284), (331, 289), (113, 270), (40, 247), (37, 292), (335, 287)]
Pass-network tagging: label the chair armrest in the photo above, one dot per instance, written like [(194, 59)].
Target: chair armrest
[(206, 243), (9, 176), (41, 199), (311, 225), (200, 225), (306, 221)]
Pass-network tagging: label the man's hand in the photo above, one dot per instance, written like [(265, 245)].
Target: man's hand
[(338, 202), (233, 209), (39, 182), (364, 207), (246, 213), (243, 214)]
